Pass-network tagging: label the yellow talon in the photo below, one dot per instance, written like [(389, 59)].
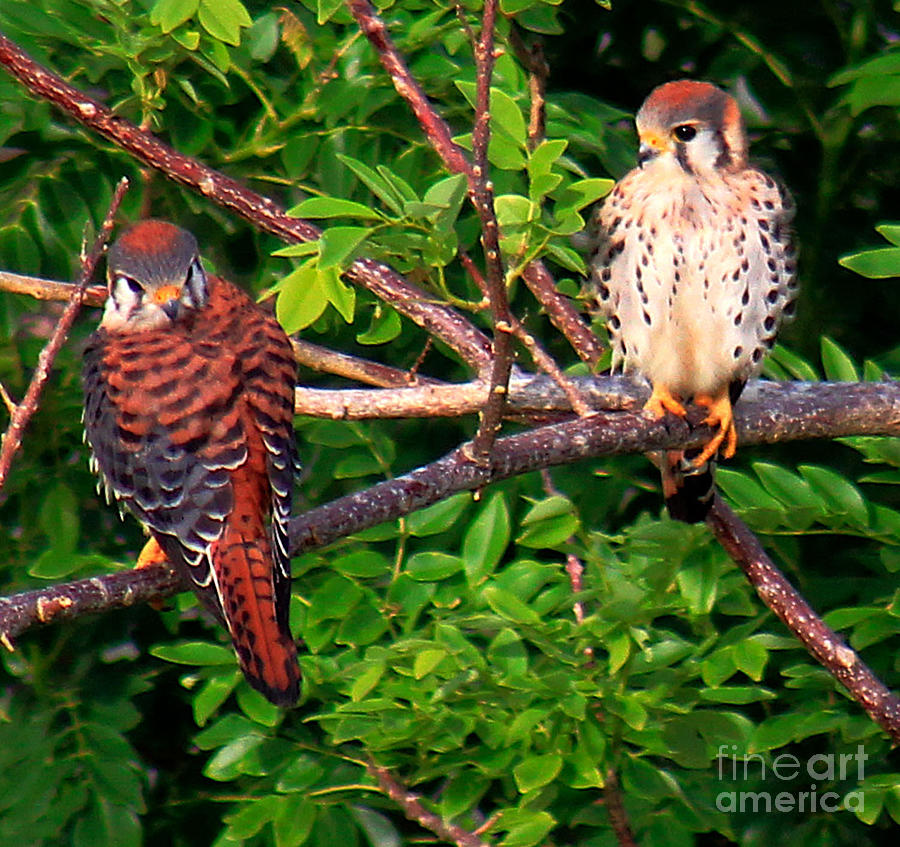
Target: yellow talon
[(152, 554), (661, 401), (720, 415)]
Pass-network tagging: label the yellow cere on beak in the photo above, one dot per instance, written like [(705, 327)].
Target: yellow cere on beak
[(654, 141), (166, 294)]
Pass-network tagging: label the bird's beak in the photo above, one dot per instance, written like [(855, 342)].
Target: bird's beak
[(651, 146), (168, 298)]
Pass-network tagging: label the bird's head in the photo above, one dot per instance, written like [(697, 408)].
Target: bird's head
[(694, 124), (154, 276)]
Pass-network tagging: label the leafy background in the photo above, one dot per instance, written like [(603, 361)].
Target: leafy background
[(443, 645)]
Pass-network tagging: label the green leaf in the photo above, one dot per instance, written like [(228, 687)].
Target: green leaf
[(168, 14), (213, 694), (398, 186), (787, 487), (751, 656), (737, 694), (448, 194), (365, 563), (58, 517), (838, 366), (375, 183), (438, 517), (549, 523), (304, 771), (426, 661), (340, 295), (509, 606), (525, 828), (333, 207), (252, 817), (537, 771), (230, 761), (544, 156), (384, 327), (432, 566), (224, 19), (506, 116), (364, 681), (334, 598), (797, 367), (842, 497), (294, 820), (194, 653), (302, 298), (486, 539), (339, 243), (878, 263), (56, 564), (366, 625), (356, 465)]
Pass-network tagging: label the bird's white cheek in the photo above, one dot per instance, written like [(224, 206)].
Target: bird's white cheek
[(120, 317)]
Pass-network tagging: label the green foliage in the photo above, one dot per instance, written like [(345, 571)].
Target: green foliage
[(445, 645), (880, 262)]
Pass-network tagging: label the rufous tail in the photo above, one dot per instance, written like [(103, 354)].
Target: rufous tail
[(266, 652)]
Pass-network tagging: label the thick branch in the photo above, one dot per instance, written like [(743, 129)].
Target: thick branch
[(768, 413), (825, 645), (119, 590), (441, 320)]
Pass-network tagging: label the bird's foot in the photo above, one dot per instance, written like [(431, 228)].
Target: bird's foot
[(152, 554), (661, 401), (719, 415)]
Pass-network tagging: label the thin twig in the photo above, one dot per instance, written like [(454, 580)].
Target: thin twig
[(491, 416), (49, 289), (449, 325), (12, 438), (823, 644), (562, 314), (322, 359), (435, 128), (547, 364), (615, 808), (531, 57), (412, 808)]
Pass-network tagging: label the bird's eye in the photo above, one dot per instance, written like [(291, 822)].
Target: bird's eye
[(685, 132)]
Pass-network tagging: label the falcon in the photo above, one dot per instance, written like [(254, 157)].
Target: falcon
[(694, 270), (189, 399)]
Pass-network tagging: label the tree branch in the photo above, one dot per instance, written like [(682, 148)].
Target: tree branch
[(439, 319), (413, 809), (539, 280), (822, 642), (767, 413), (491, 415), (23, 412)]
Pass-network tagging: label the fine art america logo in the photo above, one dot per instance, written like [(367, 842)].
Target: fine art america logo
[(828, 768)]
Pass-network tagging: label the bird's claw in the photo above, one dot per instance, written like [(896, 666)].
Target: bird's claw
[(661, 401), (721, 416)]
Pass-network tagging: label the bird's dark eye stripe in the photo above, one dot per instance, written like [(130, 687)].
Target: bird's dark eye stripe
[(133, 284), (685, 132)]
